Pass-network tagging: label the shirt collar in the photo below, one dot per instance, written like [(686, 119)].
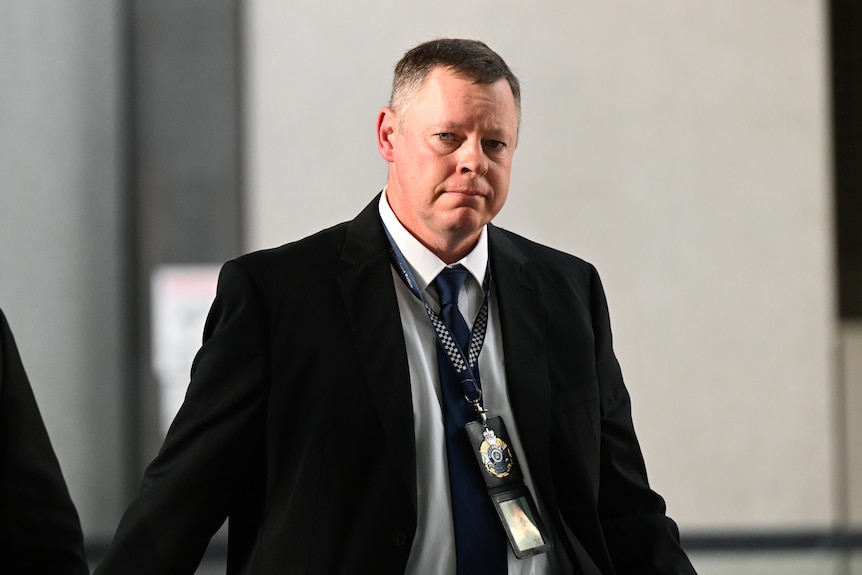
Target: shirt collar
[(424, 265)]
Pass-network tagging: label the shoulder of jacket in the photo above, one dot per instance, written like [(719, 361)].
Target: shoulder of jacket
[(537, 253)]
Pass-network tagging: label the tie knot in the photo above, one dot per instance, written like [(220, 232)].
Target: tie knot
[(448, 284)]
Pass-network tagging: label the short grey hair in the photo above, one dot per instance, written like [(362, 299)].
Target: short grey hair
[(471, 59)]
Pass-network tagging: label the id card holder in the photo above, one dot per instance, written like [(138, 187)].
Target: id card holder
[(505, 482)]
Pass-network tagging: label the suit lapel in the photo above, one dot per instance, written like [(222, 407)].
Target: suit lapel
[(369, 297), (519, 294)]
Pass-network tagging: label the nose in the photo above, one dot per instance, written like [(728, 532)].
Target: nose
[(472, 159)]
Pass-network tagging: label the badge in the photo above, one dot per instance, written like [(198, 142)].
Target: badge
[(490, 443), (496, 455)]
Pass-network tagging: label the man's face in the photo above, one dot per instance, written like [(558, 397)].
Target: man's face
[(450, 159)]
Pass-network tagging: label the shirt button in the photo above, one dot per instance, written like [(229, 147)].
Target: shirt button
[(399, 538)]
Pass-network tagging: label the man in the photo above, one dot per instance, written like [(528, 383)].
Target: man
[(39, 528), (321, 418)]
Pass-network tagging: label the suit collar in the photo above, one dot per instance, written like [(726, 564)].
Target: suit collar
[(364, 238)]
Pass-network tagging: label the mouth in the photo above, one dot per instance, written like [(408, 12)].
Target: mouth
[(468, 192)]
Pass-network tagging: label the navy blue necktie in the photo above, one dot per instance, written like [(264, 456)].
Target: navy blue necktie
[(480, 542)]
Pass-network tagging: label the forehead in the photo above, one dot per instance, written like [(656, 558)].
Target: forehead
[(447, 95)]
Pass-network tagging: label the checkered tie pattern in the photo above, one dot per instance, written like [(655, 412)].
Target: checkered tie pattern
[(480, 542)]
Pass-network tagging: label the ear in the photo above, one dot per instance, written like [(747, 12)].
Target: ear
[(386, 128)]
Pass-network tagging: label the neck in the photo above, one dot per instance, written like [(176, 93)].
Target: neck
[(451, 251)]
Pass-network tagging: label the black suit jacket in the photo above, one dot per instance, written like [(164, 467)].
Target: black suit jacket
[(39, 528), (298, 421)]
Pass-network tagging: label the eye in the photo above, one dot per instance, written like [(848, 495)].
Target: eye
[(445, 137), (494, 144)]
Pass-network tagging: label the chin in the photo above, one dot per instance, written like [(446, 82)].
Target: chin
[(465, 226)]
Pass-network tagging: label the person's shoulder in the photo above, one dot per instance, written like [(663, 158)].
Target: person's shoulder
[(297, 267), (306, 251), (6, 337), (317, 251), (537, 253)]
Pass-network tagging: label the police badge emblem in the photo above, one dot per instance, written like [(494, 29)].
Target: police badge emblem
[(496, 455)]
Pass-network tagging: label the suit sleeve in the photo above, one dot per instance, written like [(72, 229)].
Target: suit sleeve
[(641, 539), (40, 531), (214, 443)]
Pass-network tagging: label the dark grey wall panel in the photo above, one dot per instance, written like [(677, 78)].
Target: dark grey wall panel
[(185, 155)]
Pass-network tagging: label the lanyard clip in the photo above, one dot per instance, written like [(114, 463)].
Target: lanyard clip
[(474, 397)]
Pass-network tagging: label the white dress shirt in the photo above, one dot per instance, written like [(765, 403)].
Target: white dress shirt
[(433, 551)]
